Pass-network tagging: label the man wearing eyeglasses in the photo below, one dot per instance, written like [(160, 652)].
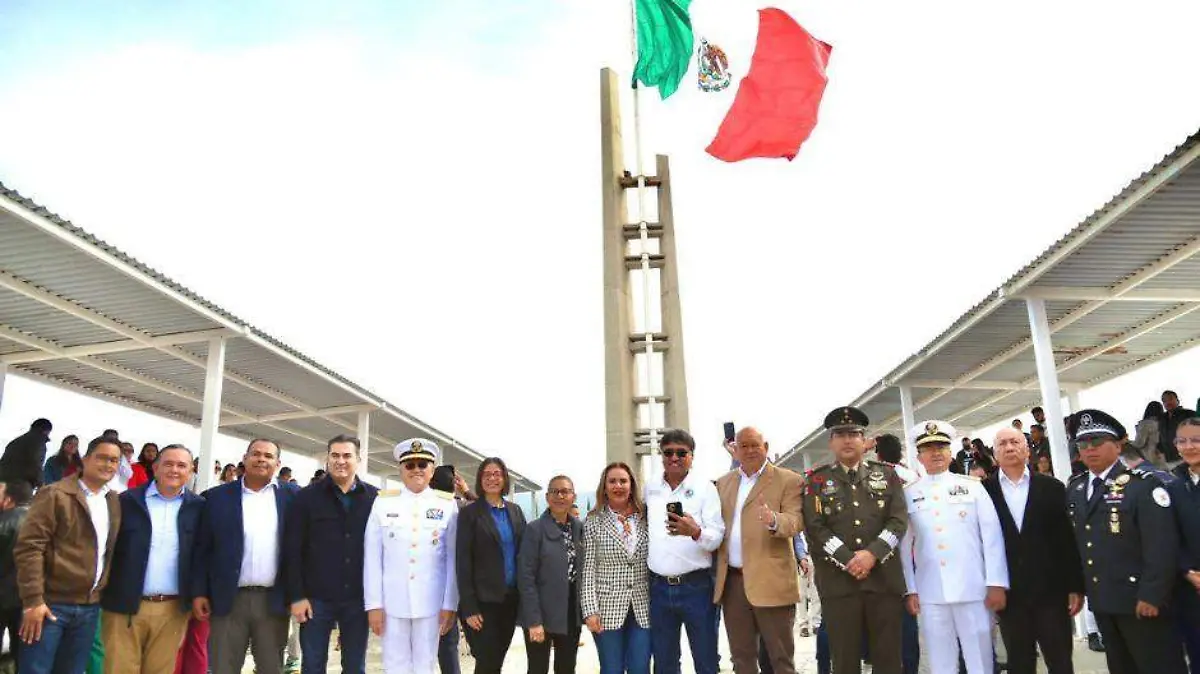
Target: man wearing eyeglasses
[(409, 581), (680, 560), (1125, 530)]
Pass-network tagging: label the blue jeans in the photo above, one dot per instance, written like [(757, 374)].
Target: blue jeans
[(624, 649), (688, 605), (351, 620), (448, 651), (65, 643)]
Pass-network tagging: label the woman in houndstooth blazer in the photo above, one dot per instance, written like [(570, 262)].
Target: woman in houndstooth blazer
[(615, 596)]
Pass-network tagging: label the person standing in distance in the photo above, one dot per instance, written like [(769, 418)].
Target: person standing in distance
[(953, 557), (855, 515), (409, 582), (1127, 538)]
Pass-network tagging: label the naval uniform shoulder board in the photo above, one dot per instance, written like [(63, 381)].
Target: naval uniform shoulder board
[(443, 494), (384, 493)]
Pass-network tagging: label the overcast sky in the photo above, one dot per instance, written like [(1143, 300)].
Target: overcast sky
[(408, 191)]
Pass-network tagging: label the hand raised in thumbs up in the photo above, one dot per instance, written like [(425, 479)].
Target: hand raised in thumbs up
[(766, 515)]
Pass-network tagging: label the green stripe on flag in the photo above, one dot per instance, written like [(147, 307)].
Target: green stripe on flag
[(664, 42)]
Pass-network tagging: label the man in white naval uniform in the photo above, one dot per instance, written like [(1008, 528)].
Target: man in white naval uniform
[(410, 590), (953, 557)]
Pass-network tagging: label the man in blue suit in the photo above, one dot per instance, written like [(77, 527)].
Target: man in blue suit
[(146, 603), (238, 578)]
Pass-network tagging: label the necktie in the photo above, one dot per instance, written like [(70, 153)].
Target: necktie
[(852, 474), (1097, 489)]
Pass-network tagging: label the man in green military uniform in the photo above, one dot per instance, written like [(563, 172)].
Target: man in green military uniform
[(855, 517)]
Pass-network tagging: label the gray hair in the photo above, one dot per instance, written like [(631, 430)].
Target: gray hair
[(164, 450)]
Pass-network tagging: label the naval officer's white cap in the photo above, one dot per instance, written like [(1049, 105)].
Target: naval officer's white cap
[(417, 448), (932, 431)]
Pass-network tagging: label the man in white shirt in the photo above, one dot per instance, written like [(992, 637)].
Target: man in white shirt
[(684, 515), (953, 557), (120, 482), (237, 570)]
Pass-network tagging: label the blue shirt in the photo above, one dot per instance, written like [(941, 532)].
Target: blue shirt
[(162, 566), (508, 544), (799, 546)]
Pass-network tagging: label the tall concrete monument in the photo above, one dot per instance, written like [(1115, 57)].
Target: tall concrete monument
[(644, 383)]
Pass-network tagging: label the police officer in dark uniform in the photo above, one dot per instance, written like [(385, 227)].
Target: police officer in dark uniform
[(855, 517), (1127, 540)]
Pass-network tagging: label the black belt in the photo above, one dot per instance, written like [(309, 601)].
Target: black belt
[(255, 588), (689, 577)]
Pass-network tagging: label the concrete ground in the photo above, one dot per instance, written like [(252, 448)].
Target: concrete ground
[(1086, 662)]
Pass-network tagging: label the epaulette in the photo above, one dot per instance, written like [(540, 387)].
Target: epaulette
[(972, 478), (1076, 477), (384, 493), (823, 466), (1143, 474), (443, 494)]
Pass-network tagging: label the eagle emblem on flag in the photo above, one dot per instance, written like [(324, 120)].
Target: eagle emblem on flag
[(712, 66)]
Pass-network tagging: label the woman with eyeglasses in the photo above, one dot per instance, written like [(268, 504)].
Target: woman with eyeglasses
[(615, 596), (489, 534), (548, 577)]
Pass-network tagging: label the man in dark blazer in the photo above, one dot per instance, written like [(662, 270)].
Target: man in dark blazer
[(146, 604), (1126, 534), (238, 577), (1044, 574)]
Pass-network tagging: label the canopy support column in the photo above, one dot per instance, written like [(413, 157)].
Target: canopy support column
[(1073, 400), (1043, 352), (210, 420), (364, 439), (3, 374), (908, 418)]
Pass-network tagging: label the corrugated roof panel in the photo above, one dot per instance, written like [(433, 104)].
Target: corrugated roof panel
[(31, 317)]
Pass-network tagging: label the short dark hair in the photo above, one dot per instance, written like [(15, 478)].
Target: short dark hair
[(1037, 427), (1171, 393), (491, 461), (1037, 409), (343, 438), (110, 433), (678, 436), (20, 491), (96, 442), (888, 448), (168, 448), (255, 441), (43, 425), (284, 470)]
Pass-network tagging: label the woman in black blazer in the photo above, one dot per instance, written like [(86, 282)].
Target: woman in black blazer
[(489, 536), (550, 562)]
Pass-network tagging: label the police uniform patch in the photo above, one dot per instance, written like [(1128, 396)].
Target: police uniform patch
[(1161, 497), (435, 514)]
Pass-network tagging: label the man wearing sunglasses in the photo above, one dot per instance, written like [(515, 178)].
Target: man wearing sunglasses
[(680, 560), (1125, 530), (410, 590)]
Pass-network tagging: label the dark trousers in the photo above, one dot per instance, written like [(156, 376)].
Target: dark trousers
[(1028, 626), (566, 647), (10, 622), (910, 647), (1136, 645), (1189, 631), (448, 651), (879, 617), (492, 642), (351, 620), (689, 606)]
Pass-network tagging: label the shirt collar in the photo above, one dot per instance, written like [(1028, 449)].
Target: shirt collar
[(742, 471), (88, 492), (662, 481), (1106, 473), (1021, 480), (152, 490), (847, 469), (247, 490)]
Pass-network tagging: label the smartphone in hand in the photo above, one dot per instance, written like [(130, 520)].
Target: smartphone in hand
[(730, 432)]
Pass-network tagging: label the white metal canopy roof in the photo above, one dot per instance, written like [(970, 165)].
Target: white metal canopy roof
[(1121, 291), (81, 315)]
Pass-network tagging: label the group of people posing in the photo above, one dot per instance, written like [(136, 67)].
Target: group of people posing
[(888, 544)]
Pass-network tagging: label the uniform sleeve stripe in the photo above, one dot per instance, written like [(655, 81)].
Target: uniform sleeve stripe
[(890, 538), (833, 544)]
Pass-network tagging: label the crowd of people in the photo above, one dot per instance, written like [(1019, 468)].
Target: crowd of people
[(117, 565)]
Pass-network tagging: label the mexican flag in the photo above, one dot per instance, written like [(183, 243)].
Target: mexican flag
[(775, 108)]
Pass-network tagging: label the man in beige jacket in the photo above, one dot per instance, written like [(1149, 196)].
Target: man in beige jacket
[(62, 557), (756, 582)]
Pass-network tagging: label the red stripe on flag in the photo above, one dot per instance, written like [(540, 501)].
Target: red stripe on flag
[(776, 105)]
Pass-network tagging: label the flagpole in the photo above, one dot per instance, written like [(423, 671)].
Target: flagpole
[(643, 234)]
